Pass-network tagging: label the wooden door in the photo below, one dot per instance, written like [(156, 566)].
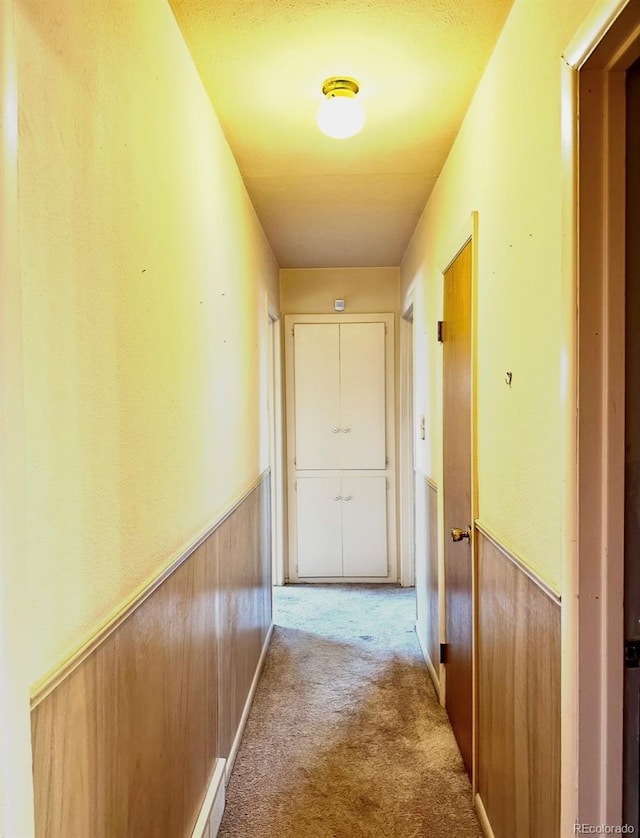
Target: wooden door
[(317, 395), (631, 790), (319, 522), (457, 499), (362, 396), (364, 526)]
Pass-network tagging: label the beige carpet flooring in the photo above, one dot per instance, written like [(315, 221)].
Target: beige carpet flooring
[(345, 738)]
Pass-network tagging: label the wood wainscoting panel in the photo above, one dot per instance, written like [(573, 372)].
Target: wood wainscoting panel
[(433, 578), (518, 697), (125, 745), (244, 563)]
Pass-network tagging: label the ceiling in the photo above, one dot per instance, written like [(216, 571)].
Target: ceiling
[(340, 203)]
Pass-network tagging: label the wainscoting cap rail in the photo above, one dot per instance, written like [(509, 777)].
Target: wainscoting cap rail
[(42, 688), (510, 554)]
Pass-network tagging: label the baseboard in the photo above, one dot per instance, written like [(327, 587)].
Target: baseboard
[(483, 818), (212, 810), (245, 713), (430, 666)]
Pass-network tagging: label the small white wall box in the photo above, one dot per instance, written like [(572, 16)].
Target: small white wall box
[(338, 305)]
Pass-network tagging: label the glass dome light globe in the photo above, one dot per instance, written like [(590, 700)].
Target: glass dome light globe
[(340, 115)]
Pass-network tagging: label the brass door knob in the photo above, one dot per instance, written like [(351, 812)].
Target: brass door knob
[(457, 534)]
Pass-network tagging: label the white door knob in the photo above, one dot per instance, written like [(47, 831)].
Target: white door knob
[(336, 497), (346, 430), (335, 430), (347, 497)]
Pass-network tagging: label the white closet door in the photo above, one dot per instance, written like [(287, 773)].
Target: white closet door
[(317, 395), (362, 396), (364, 526), (319, 524)]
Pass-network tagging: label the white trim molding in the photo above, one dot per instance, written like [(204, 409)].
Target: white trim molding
[(233, 753), (212, 811), (485, 823)]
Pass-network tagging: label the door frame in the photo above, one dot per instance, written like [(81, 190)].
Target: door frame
[(276, 439), (407, 448), (466, 232), (593, 415), (290, 321)]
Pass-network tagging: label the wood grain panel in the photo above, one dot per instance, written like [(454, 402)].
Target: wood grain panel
[(518, 698), (433, 584), (126, 743), (244, 563)]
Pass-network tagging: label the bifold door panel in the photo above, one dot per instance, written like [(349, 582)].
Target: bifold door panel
[(317, 395), (364, 526), (342, 526), (319, 508), (362, 396), (339, 383)]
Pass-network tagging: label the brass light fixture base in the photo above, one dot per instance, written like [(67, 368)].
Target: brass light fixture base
[(340, 86)]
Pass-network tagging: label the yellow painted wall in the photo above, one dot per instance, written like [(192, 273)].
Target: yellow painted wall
[(313, 290), (145, 276), (506, 163), (16, 792)]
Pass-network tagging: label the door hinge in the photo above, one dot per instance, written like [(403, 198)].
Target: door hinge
[(440, 331), (632, 654), (443, 652)]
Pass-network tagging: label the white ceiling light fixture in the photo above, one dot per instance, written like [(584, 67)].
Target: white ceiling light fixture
[(340, 115)]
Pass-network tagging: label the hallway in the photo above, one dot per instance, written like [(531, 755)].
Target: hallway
[(346, 738), (237, 351)]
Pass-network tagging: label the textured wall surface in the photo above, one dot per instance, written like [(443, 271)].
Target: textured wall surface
[(507, 164), (144, 274)]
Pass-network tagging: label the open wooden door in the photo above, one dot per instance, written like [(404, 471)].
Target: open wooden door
[(457, 500)]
